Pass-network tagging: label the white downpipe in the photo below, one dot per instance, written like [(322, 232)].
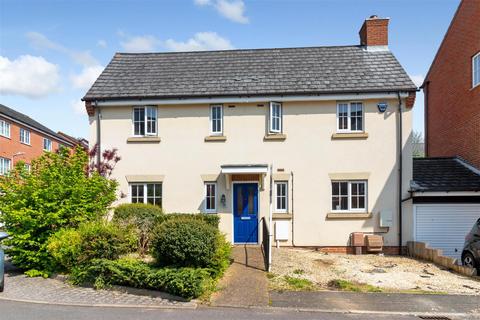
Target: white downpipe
[(270, 232)]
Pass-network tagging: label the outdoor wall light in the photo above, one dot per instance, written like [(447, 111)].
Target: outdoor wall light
[(223, 200)]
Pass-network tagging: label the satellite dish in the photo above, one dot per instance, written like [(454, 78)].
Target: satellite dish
[(382, 106)]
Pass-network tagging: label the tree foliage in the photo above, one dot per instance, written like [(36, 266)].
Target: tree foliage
[(58, 192)]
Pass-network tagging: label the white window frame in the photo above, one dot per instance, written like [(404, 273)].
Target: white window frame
[(277, 209), (25, 136), (145, 121), (211, 210), (476, 79), (28, 167), (49, 144), (271, 117), (145, 191), (349, 190), (5, 165), (212, 108), (349, 116), (5, 132)]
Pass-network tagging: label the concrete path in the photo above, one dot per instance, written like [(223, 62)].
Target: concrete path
[(245, 283), (378, 302), (19, 287)]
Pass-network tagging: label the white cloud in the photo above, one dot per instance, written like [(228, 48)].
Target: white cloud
[(144, 43), (29, 76), (200, 41), (87, 77), (417, 79), (78, 107), (233, 10), (102, 43)]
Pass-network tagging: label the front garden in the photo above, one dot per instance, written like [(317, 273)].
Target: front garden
[(56, 216)]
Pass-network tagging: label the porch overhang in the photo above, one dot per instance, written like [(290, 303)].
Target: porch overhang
[(232, 170)]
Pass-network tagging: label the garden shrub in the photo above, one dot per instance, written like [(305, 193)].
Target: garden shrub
[(143, 217), (92, 240), (211, 219), (184, 282), (57, 193), (184, 243), (221, 259)]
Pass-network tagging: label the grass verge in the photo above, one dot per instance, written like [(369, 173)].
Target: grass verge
[(345, 285)]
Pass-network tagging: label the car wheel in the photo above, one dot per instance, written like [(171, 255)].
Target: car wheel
[(468, 260)]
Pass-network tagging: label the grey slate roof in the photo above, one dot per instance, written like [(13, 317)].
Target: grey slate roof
[(250, 72), (444, 174), (22, 118)]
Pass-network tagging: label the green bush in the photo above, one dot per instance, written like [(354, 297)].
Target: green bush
[(57, 193), (184, 243), (92, 240), (143, 217), (211, 219), (184, 282), (221, 259)]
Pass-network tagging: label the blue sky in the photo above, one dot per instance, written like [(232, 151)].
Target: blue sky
[(52, 50)]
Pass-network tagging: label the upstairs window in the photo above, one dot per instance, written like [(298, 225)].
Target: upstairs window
[(349, 196), (281, 190), (5, 165), (476, 70), (145, 121), (47, 144), (4, 129), (146, 193), (216, 119), (275, 117), (210, 197), (350, 117), (24, 136)]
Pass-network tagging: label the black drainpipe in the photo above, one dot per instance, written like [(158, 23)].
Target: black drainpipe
[(293, 217), (98, 135), (400, 172)]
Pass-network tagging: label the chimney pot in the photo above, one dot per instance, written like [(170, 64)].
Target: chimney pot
[(374, 31)]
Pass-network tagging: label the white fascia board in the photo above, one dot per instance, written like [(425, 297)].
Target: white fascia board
[(324, 97), (446, 194), (245, 170)]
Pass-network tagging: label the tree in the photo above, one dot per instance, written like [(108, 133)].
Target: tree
[(418, 146), (58, 192)]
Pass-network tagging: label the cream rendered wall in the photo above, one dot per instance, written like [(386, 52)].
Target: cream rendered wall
[(183, 156)]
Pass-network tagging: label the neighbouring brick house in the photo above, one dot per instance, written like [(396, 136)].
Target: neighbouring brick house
[(23, 139), (452, 89)]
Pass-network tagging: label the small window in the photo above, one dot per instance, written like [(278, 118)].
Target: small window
[(216, 119), (24, 136), (349, 196), (145, 121), (47, 144), (476, 70), (146, 193), (275, 117), (350, 117), (4, 129), (281, 196), (210, 197), (5, 165), (28, 167)]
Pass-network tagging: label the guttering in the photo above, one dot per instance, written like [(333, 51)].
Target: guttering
[(445, 193), (250, 99), (400, 171)]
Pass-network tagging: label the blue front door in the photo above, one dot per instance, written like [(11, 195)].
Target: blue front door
[(245, 212)]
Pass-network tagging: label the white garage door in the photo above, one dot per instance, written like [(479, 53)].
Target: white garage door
[(444, 226)]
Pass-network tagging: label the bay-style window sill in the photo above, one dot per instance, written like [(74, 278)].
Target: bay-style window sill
[(349, 215), (282, 216), (145, 139), (215, 138), (275, 137), (350, 135)]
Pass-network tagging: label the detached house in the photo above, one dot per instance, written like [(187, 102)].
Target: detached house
[(313, 142)]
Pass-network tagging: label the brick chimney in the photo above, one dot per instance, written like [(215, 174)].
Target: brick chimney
[(374, 32)]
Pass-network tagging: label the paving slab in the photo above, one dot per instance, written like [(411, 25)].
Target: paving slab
[(245, 283), (377, 302)]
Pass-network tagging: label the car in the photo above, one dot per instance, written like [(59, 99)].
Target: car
[(3, 235), (471, 249)]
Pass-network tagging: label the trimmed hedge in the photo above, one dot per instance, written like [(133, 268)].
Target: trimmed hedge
[(188, 283), (211, 219)]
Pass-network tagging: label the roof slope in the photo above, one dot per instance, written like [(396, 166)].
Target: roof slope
[(22, 118), (309, 70), (444, 174)]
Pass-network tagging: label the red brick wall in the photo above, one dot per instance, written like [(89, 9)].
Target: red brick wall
[(12, 145), (374, 32), (452, 106)]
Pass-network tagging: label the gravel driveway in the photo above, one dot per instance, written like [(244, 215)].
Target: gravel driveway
[(389, 273)]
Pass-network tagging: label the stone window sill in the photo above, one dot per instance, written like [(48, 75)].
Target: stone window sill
[(282, 216), (349, 215), (275, 137), (350, 135), (215, 139), (143, 140)]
